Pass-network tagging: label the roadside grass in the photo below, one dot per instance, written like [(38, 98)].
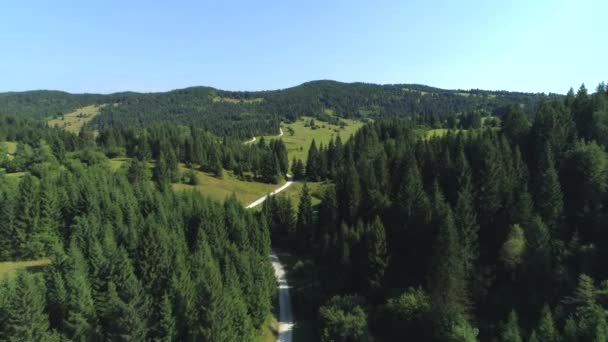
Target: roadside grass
[(269, 330), (299, 143), (8, 268), (73, 122), (294, 191), (219, 189)]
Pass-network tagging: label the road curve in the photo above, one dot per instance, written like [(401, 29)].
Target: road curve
[(285, 311), (254, 138)]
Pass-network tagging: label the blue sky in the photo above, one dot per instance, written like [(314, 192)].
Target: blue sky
[(107, 46)]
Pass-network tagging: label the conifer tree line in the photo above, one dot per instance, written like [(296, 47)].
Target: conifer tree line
[(245, 114), (488, 234), (163, 145), (127, 262), (171, 144)]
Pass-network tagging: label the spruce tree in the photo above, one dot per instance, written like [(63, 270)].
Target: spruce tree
[(305, 226), (313, 163), (546, 326), (80, 322), (166, 328), (549, 194), (27, 320), (449, 294), (376, 255), (510, 331)]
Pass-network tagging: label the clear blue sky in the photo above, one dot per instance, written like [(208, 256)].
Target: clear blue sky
[(107, 46)]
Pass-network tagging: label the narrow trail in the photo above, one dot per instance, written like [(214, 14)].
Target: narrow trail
[(285, 311), (254, 138), (263, 198)]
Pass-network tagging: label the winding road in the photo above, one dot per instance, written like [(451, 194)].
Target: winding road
[(254, 138), (285, 311)]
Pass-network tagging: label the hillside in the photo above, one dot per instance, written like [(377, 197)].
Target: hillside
[(245, 114)]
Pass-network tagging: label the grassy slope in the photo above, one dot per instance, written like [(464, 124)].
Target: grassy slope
[(298, 143), (294, 191), (219, 189), (7, 268), (72, 122)]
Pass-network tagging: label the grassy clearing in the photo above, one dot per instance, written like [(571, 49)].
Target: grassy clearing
[(117, 163), (269, 331), (7, 268), (234, 100), (73, 122), (16, 176), (219, 189), (10, 147), (298, 143)]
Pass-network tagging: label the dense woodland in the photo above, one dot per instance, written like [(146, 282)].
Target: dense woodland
[(127, 262), (244, 114), (491, 234)]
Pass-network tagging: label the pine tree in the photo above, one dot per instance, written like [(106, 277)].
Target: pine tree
[(166, 328), (270, 168), (515, 125), (533, 337), (549, 194), (27, 320), (546, 327), (153, 263), (297, 169), (133, 301), (10, 238), (570, 331), (312, 163), (376, 258), (449, 295), (80, 322), (514, 247), (56, 297), (26, 218), (465, 220), (305, 234), (510, 330), (348, 191)]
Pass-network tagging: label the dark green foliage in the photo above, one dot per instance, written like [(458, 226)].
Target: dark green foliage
[(245, 114), (447, 282), (26, 319), (305, 225), (510, 330), (124, 263), (546, 330), (407, 316), (376, 255), (344, 319)]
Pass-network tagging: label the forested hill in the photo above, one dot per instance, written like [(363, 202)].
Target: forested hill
[(248, 113)]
